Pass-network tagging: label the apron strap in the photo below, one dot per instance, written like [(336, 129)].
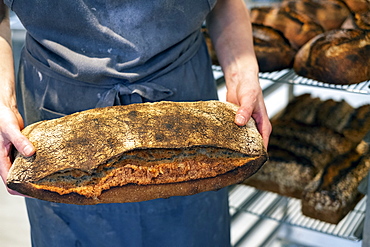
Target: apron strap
[(134, 93)]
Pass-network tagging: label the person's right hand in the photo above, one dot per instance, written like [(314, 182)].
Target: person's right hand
[(11, 124)]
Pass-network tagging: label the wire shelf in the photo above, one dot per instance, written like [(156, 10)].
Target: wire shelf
[(289, 76), (246, 199)]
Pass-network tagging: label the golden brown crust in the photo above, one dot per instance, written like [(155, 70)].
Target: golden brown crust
[(145, 144), (336, 57), (137, 193), (273, 50)]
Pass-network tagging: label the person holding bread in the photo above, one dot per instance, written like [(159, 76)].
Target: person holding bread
[(84, 54)]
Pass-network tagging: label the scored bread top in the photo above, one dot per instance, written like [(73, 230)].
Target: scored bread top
[(87, 139)]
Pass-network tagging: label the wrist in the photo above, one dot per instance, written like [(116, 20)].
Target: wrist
[(239, 74)]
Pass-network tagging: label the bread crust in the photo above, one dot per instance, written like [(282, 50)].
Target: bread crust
[(330, 14), (153, 139), (336, 57), (333, 192), (273, 50), (138, 193), (298, 28)]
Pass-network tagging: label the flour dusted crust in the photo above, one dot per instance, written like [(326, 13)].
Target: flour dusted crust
[(137, 152)]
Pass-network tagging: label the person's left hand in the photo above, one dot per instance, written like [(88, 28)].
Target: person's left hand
[(245, 91)]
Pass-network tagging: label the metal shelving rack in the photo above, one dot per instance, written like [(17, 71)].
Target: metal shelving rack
[(289, 76), (286, 211)]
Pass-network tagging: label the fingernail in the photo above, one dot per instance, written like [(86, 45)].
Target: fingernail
[(240, 119), (27, 150)]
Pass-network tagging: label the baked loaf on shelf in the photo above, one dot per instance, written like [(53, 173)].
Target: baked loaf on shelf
[(360, 13), (333, 192), (362, 20), (137, 152), (285, 173), (298, 28), (307, 136), (273, 50), (358, 6), (330, 14), (336, 57)]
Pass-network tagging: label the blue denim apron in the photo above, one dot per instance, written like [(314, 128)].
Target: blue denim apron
[(197, 220)]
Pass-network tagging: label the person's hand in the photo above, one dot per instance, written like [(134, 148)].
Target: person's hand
[(231, 33), (245, 91), (11, 123)]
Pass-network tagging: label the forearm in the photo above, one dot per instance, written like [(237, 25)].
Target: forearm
[(7, 78), (231, 33)]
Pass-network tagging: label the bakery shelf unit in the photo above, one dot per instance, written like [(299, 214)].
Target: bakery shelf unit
[(277, 220)]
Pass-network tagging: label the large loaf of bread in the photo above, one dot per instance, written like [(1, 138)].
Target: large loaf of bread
[(330, 14), (137, 152), (333, 192), (272, 49), (336, 57), (296, 27)]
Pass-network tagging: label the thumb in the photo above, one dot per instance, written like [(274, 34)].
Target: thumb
[(20, 142), (243, 115)]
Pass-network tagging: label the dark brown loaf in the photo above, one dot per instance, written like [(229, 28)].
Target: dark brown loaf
[(360, 13), (362, 20), (285, 173), (296, 27), (358, 6), (273, 50), (137, 152), (309, 138), (333, 192), (336, 57), (330, 14)]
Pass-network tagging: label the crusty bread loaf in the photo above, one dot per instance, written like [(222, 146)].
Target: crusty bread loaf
[(362, 20), (273, 50), (137, 152), (298, 28), (333, 193), (336, 57), (311, 137), (285, 173), (330, 14), (360, 13), (358, 6)]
